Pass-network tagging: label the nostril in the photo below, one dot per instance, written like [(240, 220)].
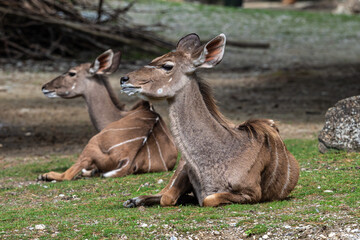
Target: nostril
[(124, 79), (43, 88)]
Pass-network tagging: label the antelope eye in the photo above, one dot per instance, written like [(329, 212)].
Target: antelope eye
[(72, 74), (167, 66)]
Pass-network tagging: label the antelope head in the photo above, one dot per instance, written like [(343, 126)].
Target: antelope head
[(168, 74), (73, 83)]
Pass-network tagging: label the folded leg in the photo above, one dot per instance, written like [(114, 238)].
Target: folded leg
[(178, 185)]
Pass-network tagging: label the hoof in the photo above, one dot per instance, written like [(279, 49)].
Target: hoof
[(131, 203), (42, 177)]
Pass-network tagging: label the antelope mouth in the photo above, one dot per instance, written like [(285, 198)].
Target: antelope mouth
[(50, 94), (130, 89)]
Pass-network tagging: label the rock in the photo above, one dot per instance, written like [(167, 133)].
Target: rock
[(40, 227), (143, 225), (160, 181), (342, 126), (348, 7)]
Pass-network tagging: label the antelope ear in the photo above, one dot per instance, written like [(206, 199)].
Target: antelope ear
[(188, 43), (211, 54), (106, 63)]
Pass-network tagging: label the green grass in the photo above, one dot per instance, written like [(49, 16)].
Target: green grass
[(92, 208)]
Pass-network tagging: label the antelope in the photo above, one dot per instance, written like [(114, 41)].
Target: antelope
[(135, 141), (223, 163), (91, 84)]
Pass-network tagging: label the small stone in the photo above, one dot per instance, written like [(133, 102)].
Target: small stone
[(143, 225), (173, 238), (328, 191), (141, 208), (27, 134), (61, 195), (53, 181), (216, 233), (40, 227), (332, 234), (265, 236), (160, 181)]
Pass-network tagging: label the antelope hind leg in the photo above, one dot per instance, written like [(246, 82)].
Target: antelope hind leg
[(218, 199), (73, 172)]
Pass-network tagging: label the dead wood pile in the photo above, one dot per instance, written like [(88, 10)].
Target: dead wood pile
[(48, 29)]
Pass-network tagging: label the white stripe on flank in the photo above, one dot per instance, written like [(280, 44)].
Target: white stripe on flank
[(133, 113), (288, 173), (127, 141), (161, 156), (172, 184), (119, 129), (113, 172), (149, 119), (149, 156), (171, 139), (275, 168)]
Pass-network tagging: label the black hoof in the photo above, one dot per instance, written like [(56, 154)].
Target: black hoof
[(131, 203)]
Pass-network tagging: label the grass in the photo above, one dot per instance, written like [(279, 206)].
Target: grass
[(92, 208)]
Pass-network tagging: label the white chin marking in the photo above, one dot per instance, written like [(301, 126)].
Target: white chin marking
[(50, 94)]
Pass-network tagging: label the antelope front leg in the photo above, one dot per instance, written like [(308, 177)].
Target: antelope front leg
[(177, 186)]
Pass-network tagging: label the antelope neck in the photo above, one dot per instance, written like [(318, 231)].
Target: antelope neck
[(200, 137), (101, 107)]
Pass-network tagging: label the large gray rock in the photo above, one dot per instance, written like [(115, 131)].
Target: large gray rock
[(342, 126)]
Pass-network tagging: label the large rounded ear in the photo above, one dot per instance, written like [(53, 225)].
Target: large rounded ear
[(189, 43), (106, 63), (211, 53)]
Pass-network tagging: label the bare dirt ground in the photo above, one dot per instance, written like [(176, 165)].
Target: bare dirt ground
[(32, 125)]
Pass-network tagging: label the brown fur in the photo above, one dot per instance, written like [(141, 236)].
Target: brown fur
[(223, 164), (106, 110), (112, 152)]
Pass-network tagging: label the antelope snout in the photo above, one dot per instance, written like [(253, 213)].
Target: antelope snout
[(124, 80)]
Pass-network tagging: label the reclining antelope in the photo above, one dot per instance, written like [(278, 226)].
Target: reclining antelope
[(135, 141), (223, 163)]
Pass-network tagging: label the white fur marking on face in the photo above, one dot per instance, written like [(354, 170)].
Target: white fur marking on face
[(127, 141), (49, 94), (73, 87), (159, 91), (113, 172), (170, 80), (148, 66)]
